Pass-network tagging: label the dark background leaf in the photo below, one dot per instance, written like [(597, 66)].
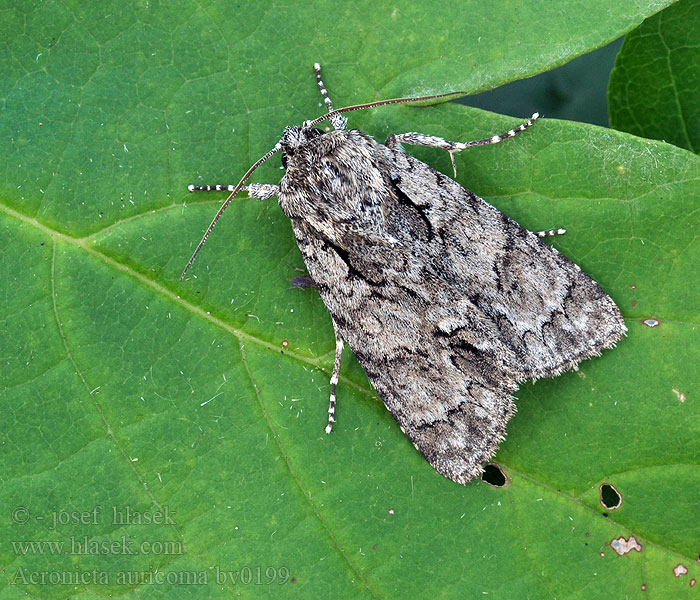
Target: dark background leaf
[(654, 86)]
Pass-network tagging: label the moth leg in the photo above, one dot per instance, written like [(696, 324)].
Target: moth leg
[(549, 232), (303, 282), (338, 121), (420, 139), (339, 344), (263, 191)]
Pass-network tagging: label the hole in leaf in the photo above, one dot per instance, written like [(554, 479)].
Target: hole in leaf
[(493, 475), (610, 498)]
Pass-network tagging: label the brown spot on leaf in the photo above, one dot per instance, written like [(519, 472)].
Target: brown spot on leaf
[(693, 581), (679, 570), (651, 323), (624, 545), (285, 343)]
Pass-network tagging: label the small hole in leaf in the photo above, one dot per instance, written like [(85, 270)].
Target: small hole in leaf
[(493, 475), (609, 496)]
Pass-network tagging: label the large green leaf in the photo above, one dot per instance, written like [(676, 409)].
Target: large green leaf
[(655, 83), (205, 402)]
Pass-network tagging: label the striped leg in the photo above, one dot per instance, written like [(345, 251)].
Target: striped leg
[(263, 191), (334, 377), (420, 139), (338, 121), (549, 232)]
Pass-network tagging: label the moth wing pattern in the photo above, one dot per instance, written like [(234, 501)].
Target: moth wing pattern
[(445, 301), (542, 306)]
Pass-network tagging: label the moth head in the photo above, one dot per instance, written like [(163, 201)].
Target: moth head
[(293, 137)]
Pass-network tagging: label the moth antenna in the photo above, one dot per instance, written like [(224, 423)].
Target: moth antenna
[(337, 111), (337, 121), (228, 200)]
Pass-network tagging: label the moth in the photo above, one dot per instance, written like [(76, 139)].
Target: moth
[(447, 303)]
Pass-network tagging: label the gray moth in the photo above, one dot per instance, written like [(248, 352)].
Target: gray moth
[(447, 303)]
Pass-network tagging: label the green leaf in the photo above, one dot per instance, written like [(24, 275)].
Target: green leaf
[(202, 405), (654, 86)]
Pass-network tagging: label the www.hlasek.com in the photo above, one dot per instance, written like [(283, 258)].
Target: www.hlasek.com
[(92, 547)]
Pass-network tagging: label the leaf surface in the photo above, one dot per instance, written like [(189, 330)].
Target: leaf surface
[(125, 392)]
